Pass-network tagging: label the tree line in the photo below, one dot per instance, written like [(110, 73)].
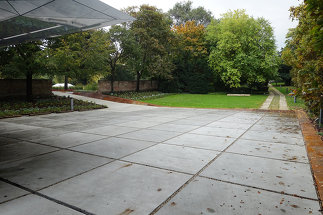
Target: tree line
[(185, 49), (303, 53)]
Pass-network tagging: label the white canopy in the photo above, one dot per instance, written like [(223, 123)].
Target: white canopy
[(22, 20)]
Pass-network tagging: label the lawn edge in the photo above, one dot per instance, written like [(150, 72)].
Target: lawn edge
[(314, 148), (129, 101)]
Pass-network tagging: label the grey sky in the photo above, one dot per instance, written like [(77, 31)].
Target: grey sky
[(276, 11)]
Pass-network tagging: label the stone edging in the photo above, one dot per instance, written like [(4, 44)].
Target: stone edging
[(314, 148)]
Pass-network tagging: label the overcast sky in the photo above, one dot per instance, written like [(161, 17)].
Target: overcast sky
[(276, 11)]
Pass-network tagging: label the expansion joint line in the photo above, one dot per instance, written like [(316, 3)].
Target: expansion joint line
[(201, 170), (47, 197)]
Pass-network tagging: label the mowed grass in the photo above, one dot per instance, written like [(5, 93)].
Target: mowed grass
[(290, 99), (209, 101)]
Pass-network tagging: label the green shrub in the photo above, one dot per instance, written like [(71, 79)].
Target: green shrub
[(198, 84), (91, 87)]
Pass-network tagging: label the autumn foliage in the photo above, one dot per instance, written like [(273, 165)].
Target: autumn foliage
[(303, 52)]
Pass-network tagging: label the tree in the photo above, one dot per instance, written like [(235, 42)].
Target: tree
[(120, 38), (183, 12), (190, 57), (147, 50), (80, 55), (22, 60), (284, 71), (303, 52), (242, 50)]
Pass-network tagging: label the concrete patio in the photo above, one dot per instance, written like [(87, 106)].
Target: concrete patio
[(131, 159)]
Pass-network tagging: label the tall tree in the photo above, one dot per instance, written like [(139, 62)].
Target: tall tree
[(303, 52), (243, 50), (190, 57), (120, 38), (148, 48), (22, 60), (79, 55), (183, 12)]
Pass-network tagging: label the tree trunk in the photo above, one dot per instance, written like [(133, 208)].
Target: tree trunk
[(138, 82), (111, 84), (66, 83), (112, 78), (29, 86)]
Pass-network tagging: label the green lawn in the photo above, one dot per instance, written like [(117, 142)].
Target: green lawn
[(209, 101), (290, 99)]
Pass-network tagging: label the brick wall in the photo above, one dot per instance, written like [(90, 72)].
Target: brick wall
[(122, 86), (17, 87)]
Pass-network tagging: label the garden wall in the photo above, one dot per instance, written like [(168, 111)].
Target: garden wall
[(17, 87), (123, 86)]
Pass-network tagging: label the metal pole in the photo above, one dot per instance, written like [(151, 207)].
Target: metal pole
[(294, 99), (72, 104)]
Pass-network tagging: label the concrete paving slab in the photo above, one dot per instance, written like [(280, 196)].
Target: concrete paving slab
[(207, 117), (201, 141), (183, 159), (285, 135), (150, 135), (9, 192), (41, 171), (139, 124), (204, 120), (242, 120), (35, 205), (34, 133), (273, 137), (270, 150), (284, 129), (160, 119), (221, 132), (278, 121), (92, 183), (5, 141), (104, 121), (21, 150), (174, 127), (113, 147), (233, 125), (246, 115), (7, 127), (70, 139), (192, 122), (118, 188), (205, 196), (42, 122), (110, 130), (80, 126), (280, 176)]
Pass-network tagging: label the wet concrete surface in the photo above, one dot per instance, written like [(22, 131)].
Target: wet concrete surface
[(145, 160)]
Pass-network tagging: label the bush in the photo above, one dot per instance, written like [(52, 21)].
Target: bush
[(91, 87), (198, 84), (169, 86)]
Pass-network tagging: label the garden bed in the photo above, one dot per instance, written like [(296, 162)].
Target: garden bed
[(54, 104), (138, 96)]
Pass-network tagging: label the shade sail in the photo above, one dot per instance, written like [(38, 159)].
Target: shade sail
[(23, 20)]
